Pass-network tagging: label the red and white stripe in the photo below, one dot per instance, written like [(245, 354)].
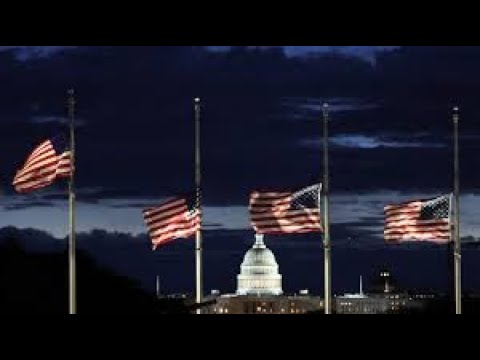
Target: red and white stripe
[(403, 223), (42, 167), (171, 220), (271, 213)]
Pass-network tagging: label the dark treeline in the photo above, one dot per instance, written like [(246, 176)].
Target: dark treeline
[(37, 283)]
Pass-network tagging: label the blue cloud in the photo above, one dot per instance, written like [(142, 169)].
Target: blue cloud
[(369, 142)]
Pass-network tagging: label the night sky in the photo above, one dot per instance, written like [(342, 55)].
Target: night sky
[(261, 128)]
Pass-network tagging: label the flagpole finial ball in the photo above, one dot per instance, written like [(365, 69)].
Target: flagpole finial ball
[(325, 111), (197, 100)]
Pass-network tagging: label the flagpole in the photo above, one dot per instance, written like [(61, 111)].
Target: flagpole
[(71, 197), (157, 287), (456, 193), (326, 234), (450, 253), (198, 234)]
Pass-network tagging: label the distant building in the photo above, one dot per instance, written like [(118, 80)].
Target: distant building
[(259, 289), (264, 304), (385, 298)]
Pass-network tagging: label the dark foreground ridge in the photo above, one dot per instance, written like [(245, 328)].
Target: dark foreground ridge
[(37, 283)]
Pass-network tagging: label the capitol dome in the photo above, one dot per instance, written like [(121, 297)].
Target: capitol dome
[(259, 271)]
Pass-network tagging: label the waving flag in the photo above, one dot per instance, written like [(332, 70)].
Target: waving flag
[(171, 220), (419, 220), (286, 212), (48, 161)]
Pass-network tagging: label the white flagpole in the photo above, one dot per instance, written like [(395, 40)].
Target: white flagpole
[(71, 192), (326, 234), (198, 234), (456, 194)]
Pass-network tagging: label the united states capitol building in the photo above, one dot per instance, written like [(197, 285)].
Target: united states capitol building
[(259, 291), (259, 288)]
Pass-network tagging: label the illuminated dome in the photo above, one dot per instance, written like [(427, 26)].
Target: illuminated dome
[(259, 271)]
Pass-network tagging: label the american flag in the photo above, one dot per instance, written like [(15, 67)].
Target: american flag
[(48, 161), (419, 220), (286, 212), (171, 220)]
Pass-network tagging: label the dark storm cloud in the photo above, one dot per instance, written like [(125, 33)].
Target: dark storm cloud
[(43, 119), (138, 141), (309, 108), (130, 206), (212, 226), (27, 204), (370, 142), (49, 119), (366, 52), (24, 53), (89, 195), (84, 195)]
